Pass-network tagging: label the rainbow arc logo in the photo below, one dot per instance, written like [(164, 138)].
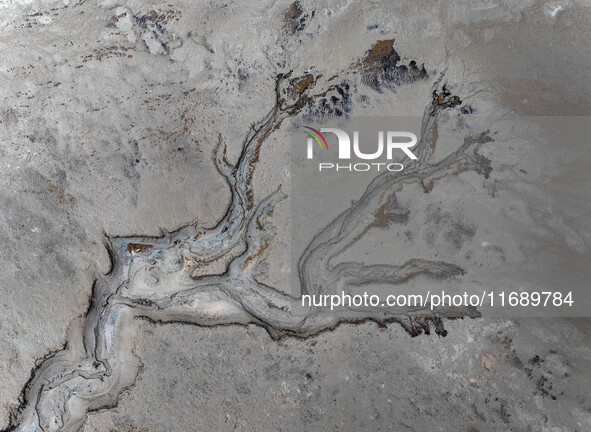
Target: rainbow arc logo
[(317, 136)]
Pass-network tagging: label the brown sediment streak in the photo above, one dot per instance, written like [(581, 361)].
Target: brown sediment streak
[(225, 156), (138, 248), (257, 254)]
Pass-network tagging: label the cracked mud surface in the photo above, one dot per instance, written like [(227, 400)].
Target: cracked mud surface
[(127, 118)]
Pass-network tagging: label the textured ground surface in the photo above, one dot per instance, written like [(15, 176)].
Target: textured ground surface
[(111, 113)]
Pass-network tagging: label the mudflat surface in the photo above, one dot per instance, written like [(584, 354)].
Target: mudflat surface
[(153, 142)]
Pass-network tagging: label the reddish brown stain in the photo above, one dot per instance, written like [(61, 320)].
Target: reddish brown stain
[(138, 248), (257, 254), (381, 52)]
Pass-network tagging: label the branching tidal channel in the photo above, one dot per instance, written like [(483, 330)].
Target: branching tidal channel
[(174, 279)]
